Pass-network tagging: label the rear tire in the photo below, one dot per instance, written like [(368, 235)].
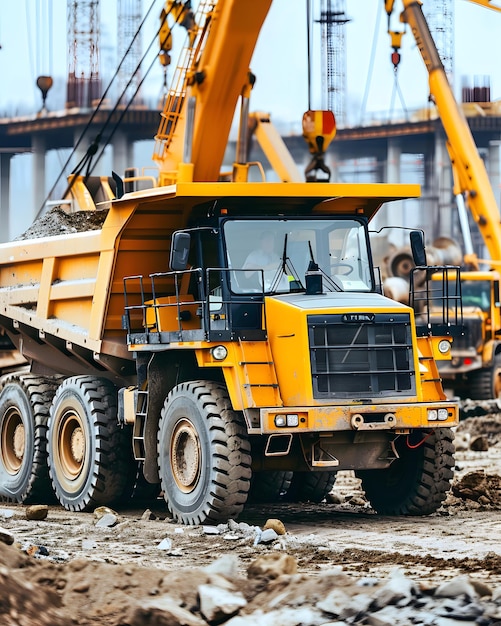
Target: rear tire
[(310, 486), (417, 482), (89, 454), (485, 384), (203, 454), (269, 487), (24, 411)]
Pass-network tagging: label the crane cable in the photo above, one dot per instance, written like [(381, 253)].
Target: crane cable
[(397, 91), (396, 37), (129, 103), (372, 58), (91, 151), (124, 110)]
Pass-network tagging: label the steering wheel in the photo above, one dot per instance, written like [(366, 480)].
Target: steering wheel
[(347, 266)]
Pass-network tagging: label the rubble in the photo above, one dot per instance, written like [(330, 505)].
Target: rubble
[(272, 591), (58, 222), (37, 511)]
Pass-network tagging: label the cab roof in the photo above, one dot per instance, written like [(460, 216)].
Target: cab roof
[(265, 198)]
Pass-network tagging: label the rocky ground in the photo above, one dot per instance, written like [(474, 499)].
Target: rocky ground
[(335, 563), (332, 564)]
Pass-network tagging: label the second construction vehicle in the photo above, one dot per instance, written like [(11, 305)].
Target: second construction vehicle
[(210, 338), (474, 371)]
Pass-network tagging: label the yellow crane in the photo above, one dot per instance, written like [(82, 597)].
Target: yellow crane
[(475, 368)]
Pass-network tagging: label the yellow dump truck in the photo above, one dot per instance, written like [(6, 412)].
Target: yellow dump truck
[(221, 341), (152, 343)]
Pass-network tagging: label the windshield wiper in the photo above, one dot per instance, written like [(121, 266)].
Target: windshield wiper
[(286, 269)]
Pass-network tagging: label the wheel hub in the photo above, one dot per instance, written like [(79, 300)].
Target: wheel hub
[(185, 456), (71, 445), (12, 441), (77, 445), (19, 441)]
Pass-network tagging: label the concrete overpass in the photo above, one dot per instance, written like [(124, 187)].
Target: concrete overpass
[(372, 153)]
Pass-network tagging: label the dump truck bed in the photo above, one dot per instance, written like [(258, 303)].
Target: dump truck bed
[(62, 296)]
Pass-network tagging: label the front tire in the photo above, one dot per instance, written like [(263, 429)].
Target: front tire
[(24, 412), (417, 482), (203, 454), (89, 454)]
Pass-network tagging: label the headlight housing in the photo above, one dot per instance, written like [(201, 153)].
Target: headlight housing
[(219, 353), (438, 415), (289, 420), (444, 346)]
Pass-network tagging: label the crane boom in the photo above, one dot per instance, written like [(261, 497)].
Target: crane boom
[(475, 368), (469, 169), (487, 4), (216, 76)]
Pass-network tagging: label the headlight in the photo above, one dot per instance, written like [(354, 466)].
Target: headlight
[(443, 414), (444, 346), (280, 421), (219, 353), (432, 415), (290, 420)]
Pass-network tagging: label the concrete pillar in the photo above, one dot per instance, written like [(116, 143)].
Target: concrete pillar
[(444, 191), (5, 195), (392, 214), (81, 150), (494, 170), (39, 191), (393, 161), (122, 153)]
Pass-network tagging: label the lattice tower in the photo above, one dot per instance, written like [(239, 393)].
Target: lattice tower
[(128, 22), (332, 21), (440, 17), (84, 82)]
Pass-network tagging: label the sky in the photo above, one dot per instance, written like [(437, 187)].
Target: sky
[(33, 40), (32, 44)]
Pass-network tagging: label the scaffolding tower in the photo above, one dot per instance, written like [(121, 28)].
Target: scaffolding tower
[(333, 61), (129, 49), (84, 82), (440, 17)]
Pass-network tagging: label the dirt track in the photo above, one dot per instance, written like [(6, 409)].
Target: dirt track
[(348, 533)]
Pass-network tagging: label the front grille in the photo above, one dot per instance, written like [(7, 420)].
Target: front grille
[(362, 359)]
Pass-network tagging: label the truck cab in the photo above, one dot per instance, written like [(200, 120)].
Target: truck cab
[(474, 370)]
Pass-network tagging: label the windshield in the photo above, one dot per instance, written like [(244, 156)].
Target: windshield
[(274, 255), (474, 293)]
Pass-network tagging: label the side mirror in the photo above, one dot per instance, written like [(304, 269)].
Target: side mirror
[(180, 248), (417, 247)]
